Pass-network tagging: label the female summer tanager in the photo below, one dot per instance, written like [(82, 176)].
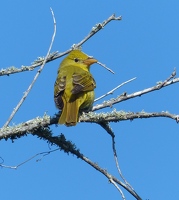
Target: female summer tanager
[(74, 87)]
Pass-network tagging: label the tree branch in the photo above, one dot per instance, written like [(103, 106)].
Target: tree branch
[(36, 76), (68, 147), (116, 116), (111, 133), (14, 132), (111, 91), (126, 96), (55, 55)]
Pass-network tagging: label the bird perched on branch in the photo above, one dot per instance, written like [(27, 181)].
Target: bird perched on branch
[(74, 87)]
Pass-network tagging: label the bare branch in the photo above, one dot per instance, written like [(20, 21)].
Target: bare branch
[(125, 97), (111, 92), (114, 183), (117, 165), (107, 128), (111, 133), (116, 116), (97, 28), (36, 76), (65, 145), (30, 126), (168, 79), (55, 55), (36, 63), (25, 128)]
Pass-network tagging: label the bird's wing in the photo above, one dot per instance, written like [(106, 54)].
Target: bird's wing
[(60, 85), (83, 82)]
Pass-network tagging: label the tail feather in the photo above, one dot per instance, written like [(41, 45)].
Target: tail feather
[(72, 113), (69, 115), (62, 118)]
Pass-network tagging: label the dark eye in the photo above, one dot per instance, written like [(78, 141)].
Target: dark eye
[(76, 59)]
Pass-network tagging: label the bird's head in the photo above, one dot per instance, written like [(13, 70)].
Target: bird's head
[(79, 59)]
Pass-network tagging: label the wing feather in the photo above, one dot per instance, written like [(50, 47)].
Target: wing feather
[(60, 85), (82, 83)]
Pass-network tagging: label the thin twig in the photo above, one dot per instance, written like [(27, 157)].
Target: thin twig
[(36, 76), (118, 188), (168, 79), (107, 128), (29, 159), (117, 165), (111, 133), (111, 92), (110, 70)]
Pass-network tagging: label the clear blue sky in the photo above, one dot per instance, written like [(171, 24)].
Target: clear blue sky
[(145, 45)]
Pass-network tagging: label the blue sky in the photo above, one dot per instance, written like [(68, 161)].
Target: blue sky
[(144, 45)]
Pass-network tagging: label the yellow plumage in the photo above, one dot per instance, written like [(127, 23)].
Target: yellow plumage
[(74, 87)]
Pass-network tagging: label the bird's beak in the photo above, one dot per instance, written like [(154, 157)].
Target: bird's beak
[(89, 61)]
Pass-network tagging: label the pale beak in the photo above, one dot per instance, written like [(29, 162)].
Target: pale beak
[(89, 61)]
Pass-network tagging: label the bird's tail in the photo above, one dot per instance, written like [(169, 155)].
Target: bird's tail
[(69, 115), (62, 116)]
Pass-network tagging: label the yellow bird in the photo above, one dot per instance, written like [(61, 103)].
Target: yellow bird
[(74, 87)]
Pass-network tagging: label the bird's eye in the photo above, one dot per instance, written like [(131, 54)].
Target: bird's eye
[(76, 59)]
